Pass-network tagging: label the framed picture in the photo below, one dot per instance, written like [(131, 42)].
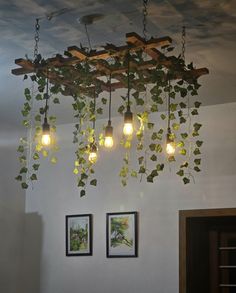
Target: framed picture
[(79, 235), (122, 234)]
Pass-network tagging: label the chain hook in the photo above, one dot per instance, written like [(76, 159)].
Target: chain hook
[(145, 13), (36, 38)]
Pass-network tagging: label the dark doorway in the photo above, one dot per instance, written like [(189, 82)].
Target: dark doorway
[(208, 251)]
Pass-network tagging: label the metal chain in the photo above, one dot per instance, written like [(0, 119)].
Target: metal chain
[(145, 13), (183, 42), (36, 38)]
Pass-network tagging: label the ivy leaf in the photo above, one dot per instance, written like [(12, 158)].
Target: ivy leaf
[(197, 152), (199, 143), (154, 136), (186, 180), (23, 170), (150, 125), (53, 160), (163, 116), (121, 109), (104, 101), (180, 173), (180, 144), (24, 185), (154, 173), (182, 120), (172, 116), (20, 149), (152, 147), (154, 108), (173, 107), (33, 177), (93, 182), (182, 105), (176, 126), (134, 174), (197, 126), (81, 183), (37, 118), (150, 178), (82, 193), (36, 156), (184, 135), (184, 165), (140, 160), (36, 166), (123, 181), (197, 162), (56, 101), (183, 92), (160, 167), (183, 152), (84, 176), (99, 111), (197, 104), (38, 97), (197, 169), (142, 170), (18, 178), (194, 112), (153, 158)]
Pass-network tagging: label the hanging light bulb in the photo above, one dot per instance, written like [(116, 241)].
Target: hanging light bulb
[(109, 129), (93, 156), (46, 137), (109, 135), (170, 144), (128, 116), (128, 122)]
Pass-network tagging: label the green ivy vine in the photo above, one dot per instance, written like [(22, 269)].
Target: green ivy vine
[(149, 100)]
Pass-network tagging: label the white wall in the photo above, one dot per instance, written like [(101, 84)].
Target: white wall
[(12, 208), (156, 268)]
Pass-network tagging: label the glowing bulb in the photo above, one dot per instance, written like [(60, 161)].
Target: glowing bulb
[(93, 157), (128, 122), (170, 148), (108, 142), (46, 139), (128, 129)]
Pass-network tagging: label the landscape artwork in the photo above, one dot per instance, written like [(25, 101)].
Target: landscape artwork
[(122, 234), (79, 235)]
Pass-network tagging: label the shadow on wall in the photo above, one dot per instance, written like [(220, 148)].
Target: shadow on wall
[(32, 248)]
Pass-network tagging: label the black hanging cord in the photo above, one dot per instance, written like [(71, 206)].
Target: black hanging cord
[(168, 101), (47, 96), (109, 115), (94, 108), (128, 77)]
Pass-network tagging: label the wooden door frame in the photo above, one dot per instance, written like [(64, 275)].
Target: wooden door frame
[(184, 215)]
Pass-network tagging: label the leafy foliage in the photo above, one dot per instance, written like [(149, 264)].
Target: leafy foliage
[(149, 140)]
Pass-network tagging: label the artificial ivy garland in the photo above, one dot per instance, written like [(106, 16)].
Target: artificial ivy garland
[(150, 94)]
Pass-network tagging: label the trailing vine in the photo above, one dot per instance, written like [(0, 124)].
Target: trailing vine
[(149, 97)]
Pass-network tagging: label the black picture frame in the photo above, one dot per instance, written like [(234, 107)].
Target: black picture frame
[(79, 221), (122, 247)]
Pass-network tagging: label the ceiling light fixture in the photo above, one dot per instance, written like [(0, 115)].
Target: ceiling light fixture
[(128, 116), (109, 129)]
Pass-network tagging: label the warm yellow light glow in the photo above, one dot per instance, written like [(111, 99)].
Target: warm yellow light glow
[(93, 157), (170, 148), (128, 128), (108, 142), (46, 139)]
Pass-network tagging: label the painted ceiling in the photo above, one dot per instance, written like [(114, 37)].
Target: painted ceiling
[(211, 40)]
